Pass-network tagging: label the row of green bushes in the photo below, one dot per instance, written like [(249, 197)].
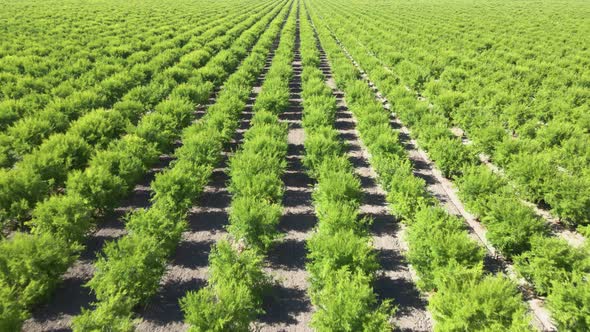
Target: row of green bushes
[(60, 156), (529, 113), (129, 83), (448, 263), (342, 261), (555, 268), (33, 77), (31, 264), (232, 299)]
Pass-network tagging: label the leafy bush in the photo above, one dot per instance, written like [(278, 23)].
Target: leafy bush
[(467, 302), (320, 145), (181, 185), (331, 252), (113, 315), (99, 127), (12, 313), (511, 225), (255, 221), (232, 298), (130, 267), (438, 240), (451, 156), (570, 303), (32, 264), (478, 186), (101, 188), (59, 154), (347, 303), (67, 217), (551, 262)]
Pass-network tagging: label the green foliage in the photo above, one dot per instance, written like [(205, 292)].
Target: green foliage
[(130, 267), (98, 128), (478, 186), (551, 262), (100, 187), (255, 221), (321, 144), (439, 240), (232, 298), (12, 313), (32, 264), (450, 156), (67, 217), (569, 198), (337, 185), (343, 249), (406, 193), (347, 303), (467, 302), (570, 304), (181, 185), (58, 155), (511, 225), (109, 316)]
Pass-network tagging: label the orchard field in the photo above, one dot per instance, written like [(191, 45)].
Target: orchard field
[(294, 165)]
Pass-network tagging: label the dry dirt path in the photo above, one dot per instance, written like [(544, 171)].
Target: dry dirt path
[(289, 307)]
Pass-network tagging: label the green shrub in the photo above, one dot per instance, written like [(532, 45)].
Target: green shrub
[(451, 156), (331, 252), (65, 216), (569, 198), (569, 302), (232, 298), (438, 240), (407, 193), (467, 302), (478, 185), (158, 128), (550, 262), (131, 110), (101, 188), (267, 183), (255, 221), (57, 156), (348, 303), (181, 109), (18, 192), (99, 127), (113, 315), (12, 313), (32, 265), (320, 145), (131, 268), (337, 186), (511, 225), (177, 188)]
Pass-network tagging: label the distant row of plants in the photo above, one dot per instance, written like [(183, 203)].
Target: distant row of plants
[(32, 113), (448, 262), (342, 261), (523, 104)]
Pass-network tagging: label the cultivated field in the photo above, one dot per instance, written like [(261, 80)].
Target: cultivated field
[(294, 165)]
